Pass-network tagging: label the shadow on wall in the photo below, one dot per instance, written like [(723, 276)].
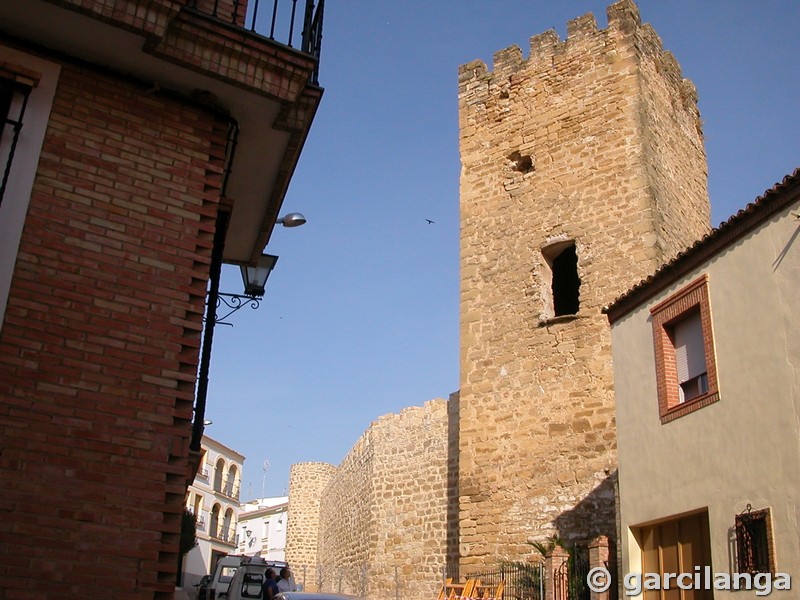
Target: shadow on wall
[(597, 511), (451, 550)]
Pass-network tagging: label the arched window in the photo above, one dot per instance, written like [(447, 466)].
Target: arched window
[(231, 483), (213, 526), (219, 474), (228, 526)]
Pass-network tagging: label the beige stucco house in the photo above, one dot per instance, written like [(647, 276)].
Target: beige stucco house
[(706, 358)]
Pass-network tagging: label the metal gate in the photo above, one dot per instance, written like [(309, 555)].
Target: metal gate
[(569, 580)]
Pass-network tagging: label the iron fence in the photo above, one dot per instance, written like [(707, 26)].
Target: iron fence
[(280, 25), (523, 581), (569, 579)]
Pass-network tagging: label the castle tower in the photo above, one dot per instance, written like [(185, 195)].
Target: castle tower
[(583, 170), (307, 481)]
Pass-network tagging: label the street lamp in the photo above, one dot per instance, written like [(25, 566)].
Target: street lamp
[(255, 278), (292, 220)]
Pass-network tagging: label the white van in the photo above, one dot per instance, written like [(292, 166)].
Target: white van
[(223, 573), (248, 581), (227, 567)]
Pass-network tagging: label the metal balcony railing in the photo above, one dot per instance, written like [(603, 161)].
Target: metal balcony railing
[(228, 536), (280, 26), (227, 488)]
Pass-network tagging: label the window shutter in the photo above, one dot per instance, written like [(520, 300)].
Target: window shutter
[(690, 356)]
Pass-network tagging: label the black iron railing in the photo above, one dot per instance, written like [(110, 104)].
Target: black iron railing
[(523, 581), (280, 26), (229, 488)]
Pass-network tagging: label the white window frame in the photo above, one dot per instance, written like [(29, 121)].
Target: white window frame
[(18, 190)]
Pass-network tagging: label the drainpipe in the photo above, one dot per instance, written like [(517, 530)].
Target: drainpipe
[(223, 218), (220, 233)]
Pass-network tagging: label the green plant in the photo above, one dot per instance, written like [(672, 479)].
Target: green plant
[(187, 540), (188, 532), (546, 546)]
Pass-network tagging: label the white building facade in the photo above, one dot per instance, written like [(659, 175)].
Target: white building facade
[(262, 528), (213, 497)]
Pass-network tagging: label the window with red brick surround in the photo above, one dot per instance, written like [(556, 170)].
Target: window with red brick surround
[(683, 306)]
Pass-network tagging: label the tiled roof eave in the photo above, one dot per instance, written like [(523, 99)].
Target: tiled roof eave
[(780, 196)]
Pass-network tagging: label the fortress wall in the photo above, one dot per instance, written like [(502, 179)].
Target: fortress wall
[(382, 517)]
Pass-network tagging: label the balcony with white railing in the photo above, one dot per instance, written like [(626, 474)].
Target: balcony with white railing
[(227, 488)]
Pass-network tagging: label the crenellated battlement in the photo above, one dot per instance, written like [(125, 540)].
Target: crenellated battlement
[(624, 31), (589, 151), (623, 16), (582, 27)]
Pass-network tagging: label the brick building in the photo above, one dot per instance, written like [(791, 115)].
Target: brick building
[(144, 143)]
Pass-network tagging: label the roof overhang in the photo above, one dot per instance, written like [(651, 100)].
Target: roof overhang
[(780, 197), (264, 87)]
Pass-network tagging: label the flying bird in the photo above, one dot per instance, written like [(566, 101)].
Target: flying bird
[(430, 222)]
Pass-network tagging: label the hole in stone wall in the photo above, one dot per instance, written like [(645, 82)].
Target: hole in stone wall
[(565, 284), (520, 162)]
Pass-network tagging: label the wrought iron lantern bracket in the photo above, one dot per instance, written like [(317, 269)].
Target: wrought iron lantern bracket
[(232, 304)]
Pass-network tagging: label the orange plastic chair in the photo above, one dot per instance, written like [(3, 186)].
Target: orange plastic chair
[(443, 593)]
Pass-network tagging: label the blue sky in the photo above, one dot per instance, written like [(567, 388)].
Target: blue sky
[(360, 318)]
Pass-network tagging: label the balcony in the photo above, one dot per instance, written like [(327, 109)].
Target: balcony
[(229, 489), (227, 536), (280, 25), (255, 61)]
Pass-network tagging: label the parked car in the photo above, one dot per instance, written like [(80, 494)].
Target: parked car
[(226, 569), (223, 573)]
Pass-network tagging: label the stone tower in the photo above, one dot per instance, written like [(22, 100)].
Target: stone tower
[(307, 481), (583, 170)]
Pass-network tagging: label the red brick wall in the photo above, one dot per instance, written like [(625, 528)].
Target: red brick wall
[(99, 348), (231, 11)]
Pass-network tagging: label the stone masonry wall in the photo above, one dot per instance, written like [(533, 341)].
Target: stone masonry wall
[(383, 514), (307, 481), (410, 506), (346, 526), (594, 141)]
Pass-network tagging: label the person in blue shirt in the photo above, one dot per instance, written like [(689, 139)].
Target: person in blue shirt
[(270, 587)]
